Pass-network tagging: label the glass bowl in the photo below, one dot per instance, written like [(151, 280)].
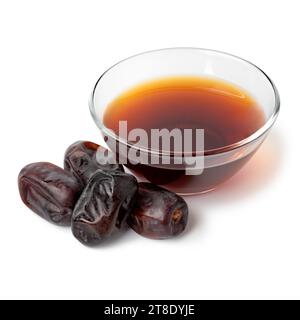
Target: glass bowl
[(217, 165)]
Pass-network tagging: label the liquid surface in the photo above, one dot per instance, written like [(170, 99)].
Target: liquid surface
[(226, 112)]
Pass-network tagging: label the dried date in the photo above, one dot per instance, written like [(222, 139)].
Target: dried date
[(49, 191), (82, 160), (158, 213), (103, 206)]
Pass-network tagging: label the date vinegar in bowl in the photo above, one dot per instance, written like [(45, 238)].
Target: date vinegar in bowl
[(232, 100), (227, 114)]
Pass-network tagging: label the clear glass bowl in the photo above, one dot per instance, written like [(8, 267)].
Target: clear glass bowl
[(219, 164)]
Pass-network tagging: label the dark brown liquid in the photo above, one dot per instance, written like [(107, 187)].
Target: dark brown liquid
[(225, 112)]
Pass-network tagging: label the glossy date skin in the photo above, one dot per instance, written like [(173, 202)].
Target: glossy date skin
[(49, 191), (81, 160), (103, 206), (158, 213)]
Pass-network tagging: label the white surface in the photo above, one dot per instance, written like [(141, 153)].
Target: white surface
[(243, 240)]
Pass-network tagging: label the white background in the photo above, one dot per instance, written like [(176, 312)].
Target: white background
[(243, 239)]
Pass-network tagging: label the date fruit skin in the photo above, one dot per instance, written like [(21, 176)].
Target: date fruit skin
[(158, 213), (49, 191), (81, 160), (104, 206)]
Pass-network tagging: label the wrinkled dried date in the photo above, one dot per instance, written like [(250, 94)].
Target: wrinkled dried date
[(81, 160), (49, 191), (103, 206), (158, 213)]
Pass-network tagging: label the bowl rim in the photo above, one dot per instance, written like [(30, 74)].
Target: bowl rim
[(251, 138)]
